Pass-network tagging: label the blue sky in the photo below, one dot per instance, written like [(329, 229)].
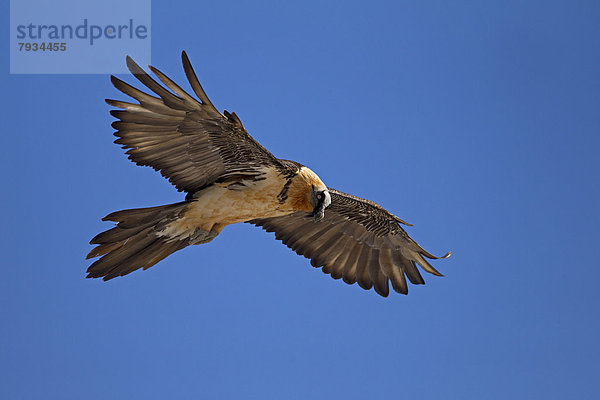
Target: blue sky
[(476, 121)]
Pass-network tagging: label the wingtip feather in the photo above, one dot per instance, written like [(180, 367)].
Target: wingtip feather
[(132, 65)]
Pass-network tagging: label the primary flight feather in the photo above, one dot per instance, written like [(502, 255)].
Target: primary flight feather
[(229, 178)]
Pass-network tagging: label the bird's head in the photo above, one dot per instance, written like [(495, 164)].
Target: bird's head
[(308, 193), (320, 200)]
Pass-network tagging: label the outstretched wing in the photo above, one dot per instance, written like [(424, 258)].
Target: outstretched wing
[(184, 138), (358, 241)]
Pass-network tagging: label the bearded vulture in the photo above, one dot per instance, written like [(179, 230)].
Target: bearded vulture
[(228, 177)]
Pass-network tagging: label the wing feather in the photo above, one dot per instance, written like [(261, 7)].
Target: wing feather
[(362, 269), (357, 241), (193, 79), (184, 138), (349, 273), (339, 262), (332, 250)]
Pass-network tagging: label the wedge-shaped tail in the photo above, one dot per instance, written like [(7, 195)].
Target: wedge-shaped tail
[(136, 241)]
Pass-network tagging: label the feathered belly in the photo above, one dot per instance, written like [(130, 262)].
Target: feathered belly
[(219, 204), (222, 204)]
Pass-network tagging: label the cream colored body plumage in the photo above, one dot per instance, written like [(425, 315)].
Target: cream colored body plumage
[(220, 205), (229, 178)]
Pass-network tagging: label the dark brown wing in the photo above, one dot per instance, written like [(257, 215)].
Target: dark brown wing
[(184, 138), (357, 241)]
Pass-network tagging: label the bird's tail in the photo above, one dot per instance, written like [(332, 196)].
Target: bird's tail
[(136, 241)]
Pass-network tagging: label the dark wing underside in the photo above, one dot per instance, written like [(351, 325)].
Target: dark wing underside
[(186, 139), (357, 241)]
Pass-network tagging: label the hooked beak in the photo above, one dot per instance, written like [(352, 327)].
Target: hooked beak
[(319, 214), (319, 210)]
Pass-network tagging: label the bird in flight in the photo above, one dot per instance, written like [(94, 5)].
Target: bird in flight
[(228, 177)]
